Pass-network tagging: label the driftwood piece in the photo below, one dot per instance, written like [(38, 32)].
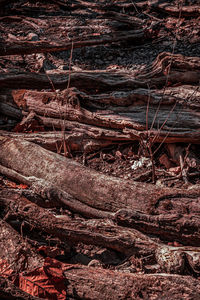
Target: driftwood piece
[(88, 186)]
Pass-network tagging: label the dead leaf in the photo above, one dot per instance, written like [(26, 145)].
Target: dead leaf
[(22, 186), (47, 282), (5, 268)]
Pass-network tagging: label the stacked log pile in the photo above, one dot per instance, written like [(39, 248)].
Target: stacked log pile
[(69, 231)]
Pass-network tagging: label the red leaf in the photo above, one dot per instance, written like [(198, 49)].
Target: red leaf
[(46, 282), (22, 186), (5, 268)]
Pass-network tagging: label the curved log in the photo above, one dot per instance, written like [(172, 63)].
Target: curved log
[(93, 232), (88, 186)]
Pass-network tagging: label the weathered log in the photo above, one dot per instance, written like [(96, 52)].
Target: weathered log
[(88, 186), (53, 197), (105, 284), (74, 140), (173, 224), (88, 80), (93, 80), (98, 232), (93, 232), (28, 47), (177, 114), (170, 64), (167, 68)]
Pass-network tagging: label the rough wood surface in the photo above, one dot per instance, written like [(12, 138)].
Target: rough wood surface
[(111, 86), (45, 47), (128, 286), (94, 232), (88, 186)]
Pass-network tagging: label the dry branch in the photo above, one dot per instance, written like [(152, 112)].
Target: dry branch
[(184, 11)]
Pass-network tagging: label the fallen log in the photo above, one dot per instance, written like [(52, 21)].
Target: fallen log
[(170, 64), (172, 224), (175, 112), (88, 80), (106, 284), (72, 140), (29, 47), (52, 197), (166, 69), (88, 186), (103, 233)]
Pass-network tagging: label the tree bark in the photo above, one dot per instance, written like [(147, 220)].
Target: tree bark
[(28, 47), (107, 284), (88, 186), (127, 241)]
